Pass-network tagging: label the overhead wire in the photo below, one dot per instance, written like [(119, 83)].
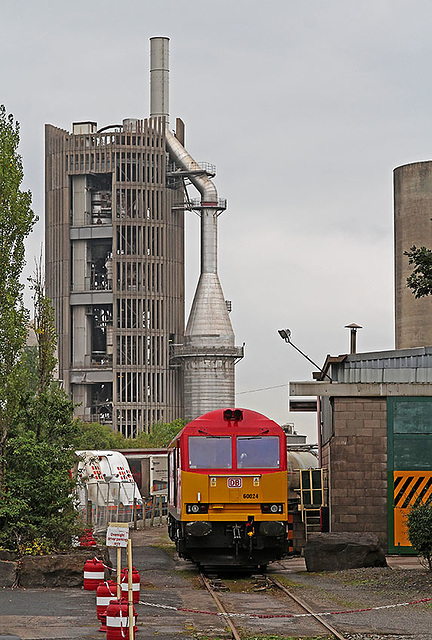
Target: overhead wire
[(278, 386)]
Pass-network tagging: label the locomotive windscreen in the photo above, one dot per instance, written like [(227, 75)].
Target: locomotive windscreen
[(257, 452), (212, 452)]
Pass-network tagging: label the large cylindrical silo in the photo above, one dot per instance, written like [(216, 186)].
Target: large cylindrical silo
[(413, 226)]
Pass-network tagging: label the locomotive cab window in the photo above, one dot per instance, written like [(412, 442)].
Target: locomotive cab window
[(257, 452), (212, 452)]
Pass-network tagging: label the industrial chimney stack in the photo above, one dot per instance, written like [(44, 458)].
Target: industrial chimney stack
[(208, 354)]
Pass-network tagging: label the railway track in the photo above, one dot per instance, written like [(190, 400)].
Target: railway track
[(304, 606), (229, 617)]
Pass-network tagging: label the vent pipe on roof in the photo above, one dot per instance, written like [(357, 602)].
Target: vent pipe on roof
[(353, 336)]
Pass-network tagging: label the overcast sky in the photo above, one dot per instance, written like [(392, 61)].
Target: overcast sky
[(305, 107)]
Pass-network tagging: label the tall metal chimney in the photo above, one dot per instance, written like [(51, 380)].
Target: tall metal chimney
[(159, 77), (208, 354)]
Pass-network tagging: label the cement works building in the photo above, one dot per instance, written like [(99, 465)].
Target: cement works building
[(115, 203), (115, 270)]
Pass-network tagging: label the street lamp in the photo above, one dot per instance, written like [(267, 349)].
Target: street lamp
[(285, 334)]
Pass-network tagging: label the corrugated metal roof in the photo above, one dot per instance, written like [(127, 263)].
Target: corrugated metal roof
[(404, 365)]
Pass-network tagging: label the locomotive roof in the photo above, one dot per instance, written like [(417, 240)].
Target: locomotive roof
[(251, 421)]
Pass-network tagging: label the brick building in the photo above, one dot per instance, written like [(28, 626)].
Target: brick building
[(375, 430)]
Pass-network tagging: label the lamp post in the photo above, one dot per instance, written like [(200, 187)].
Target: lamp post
[(285, 334)]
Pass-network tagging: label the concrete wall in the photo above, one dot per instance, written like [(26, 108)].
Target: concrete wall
[(356, 456)]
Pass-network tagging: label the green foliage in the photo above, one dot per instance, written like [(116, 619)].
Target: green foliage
[(37, 501), (16, 222), (419, 524), (44, 328), (420, 280), (29, 369), (38, 547), (92, 435), (37, 429), (160, 435)]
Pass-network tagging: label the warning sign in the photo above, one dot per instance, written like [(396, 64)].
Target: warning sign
[(117, 534)]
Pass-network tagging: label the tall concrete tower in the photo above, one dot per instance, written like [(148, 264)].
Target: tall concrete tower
[(412, 226), (115, 270), (208, 354)]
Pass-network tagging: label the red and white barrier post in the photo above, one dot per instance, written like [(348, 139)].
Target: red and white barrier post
[(118, 536)]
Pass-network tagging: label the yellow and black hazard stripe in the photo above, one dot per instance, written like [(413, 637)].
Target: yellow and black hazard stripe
[(409, 487)]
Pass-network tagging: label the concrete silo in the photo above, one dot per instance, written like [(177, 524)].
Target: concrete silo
[(413, 226)]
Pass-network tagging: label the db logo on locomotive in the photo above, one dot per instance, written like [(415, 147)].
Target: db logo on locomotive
[(235, 483)]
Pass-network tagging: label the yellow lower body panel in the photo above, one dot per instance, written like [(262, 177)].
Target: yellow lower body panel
[(234, 496)]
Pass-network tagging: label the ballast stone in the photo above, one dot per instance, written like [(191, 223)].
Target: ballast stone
[(338, 551)]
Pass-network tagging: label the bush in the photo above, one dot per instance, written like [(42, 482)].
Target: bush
[(38, 500), (92, 435), (419, 524)]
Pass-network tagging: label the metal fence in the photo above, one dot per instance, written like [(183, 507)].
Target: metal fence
[(98, 504)]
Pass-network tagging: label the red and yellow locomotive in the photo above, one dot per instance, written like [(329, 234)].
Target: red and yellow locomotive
[(227, 490)]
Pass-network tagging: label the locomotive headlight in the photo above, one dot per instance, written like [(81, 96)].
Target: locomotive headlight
[(272, 508), (197, 508)]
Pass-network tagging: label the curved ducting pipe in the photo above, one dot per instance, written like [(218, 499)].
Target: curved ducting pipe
[(183, 158), (208, 196), (209, 321)]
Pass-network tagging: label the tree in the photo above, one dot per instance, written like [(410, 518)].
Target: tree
[(16, 222), (37, 509), (44, 328), (92, 435), (419, 524), (160, 434), (420, 280), (38, 497), (37, 506)]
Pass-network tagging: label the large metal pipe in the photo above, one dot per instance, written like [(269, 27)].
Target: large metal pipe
[(208, 196), (208, 354), (159, 77), (209, 320)]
